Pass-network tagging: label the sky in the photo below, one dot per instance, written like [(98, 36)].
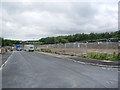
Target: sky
[(32, 20)]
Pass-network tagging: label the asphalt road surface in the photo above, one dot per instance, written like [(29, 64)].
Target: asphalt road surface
[(35, 70), (5, 56)]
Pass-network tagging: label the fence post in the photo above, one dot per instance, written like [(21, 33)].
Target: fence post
[(86, 47), (78, 48), (107, 43), (74, 48)]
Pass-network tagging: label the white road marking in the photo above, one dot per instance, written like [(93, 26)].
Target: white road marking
[(6, 61)]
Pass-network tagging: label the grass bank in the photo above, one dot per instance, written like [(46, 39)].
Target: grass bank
[(100, 56)]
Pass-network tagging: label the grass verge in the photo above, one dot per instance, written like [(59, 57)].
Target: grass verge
[(100, 56)]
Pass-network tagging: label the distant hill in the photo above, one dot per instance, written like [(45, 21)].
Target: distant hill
[(80, 37), (66, 39)]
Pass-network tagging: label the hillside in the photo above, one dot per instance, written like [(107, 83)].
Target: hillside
[(79, 37)]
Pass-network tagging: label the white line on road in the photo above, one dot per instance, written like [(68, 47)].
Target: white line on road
[(6, 61)]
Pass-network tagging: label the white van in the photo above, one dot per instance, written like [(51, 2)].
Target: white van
[(29, 48)]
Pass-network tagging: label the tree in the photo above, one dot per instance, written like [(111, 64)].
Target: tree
[(79, 37), (6, 42)]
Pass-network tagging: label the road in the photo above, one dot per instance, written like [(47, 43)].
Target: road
[(35, 70), (5, 56)]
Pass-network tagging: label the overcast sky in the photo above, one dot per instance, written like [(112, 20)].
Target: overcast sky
[(35, 20)]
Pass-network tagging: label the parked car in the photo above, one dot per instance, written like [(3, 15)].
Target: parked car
[(18, 48), (29, 48)]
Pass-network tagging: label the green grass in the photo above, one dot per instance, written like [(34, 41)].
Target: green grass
[(49, 51), (102, 56)]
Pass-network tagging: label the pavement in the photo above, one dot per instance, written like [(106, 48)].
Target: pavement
[(103, 63), (37, 70)]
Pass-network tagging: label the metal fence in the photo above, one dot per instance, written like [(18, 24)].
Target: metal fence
[(82, 48)]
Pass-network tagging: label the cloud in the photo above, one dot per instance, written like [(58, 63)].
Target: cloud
[(26, 21)]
